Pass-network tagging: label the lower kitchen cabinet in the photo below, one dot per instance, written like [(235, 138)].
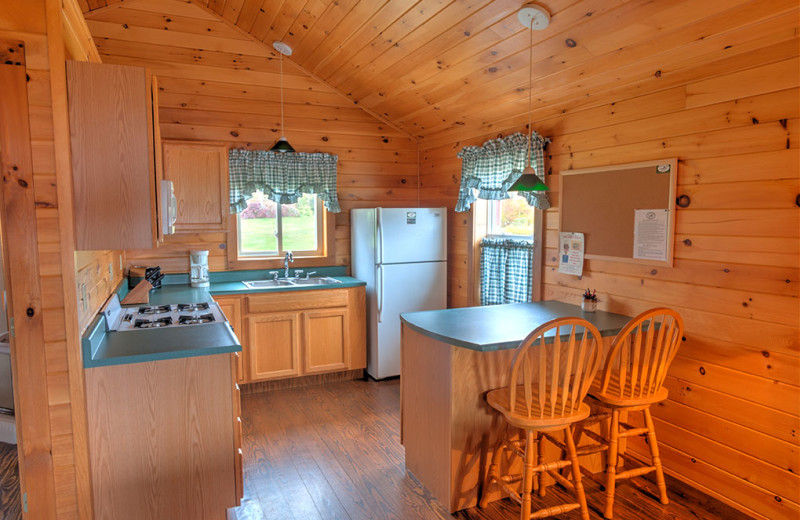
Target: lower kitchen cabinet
[(295, 333), (326, 334), (274, 346), (164, 439)]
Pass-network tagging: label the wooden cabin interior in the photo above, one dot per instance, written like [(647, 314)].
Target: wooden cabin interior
[(396, 89)]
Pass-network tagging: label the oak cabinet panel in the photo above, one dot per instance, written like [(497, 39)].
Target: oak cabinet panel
[(199, 173), (290, 334), (326, 340), (273, 346), (160, 436), (112, 141), (231, 307)]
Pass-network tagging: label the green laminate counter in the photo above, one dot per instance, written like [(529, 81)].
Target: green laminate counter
[(499, 327), (102, 347)]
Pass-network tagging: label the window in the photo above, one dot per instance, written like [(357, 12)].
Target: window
[(511, 218), (267, 229)]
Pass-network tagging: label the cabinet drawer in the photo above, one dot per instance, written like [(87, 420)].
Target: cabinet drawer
[(296, 300)]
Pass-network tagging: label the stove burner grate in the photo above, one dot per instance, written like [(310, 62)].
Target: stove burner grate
[(152, 324), (193, 320), (189, 307), (157, 309)]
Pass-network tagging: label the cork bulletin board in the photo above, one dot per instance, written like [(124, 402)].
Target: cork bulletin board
[(601, 203)]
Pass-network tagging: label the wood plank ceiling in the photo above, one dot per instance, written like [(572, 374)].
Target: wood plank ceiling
[(433, 66)]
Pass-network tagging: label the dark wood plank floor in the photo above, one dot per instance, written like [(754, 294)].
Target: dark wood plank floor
[(333, 452), (10, 503)]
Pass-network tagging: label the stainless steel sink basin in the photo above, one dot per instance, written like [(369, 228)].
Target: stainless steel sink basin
[(267, 284), (316, 280), (289, 282)]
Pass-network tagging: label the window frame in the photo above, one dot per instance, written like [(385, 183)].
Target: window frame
[(478, 227), (323, 255)]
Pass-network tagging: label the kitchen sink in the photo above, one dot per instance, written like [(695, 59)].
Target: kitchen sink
[(289, 282), (318, 280), (267, 284)]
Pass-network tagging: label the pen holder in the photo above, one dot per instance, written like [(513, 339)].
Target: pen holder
[(589, 305)]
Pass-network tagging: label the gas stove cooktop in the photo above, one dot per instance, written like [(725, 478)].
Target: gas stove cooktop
[(160, 316)]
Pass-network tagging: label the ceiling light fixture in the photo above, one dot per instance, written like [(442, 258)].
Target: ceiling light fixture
[(534, 18), (282, 144)]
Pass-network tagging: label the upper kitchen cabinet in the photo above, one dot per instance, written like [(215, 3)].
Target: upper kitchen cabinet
[(113, 132), (199, 173)]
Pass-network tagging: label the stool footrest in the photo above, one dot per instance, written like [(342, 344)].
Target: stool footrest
[(633, 432), (635, 472), (588, 450), (551, 466), (555, 441), (555, 510), (510, 479), (512, 493), (595, 436), (561, 479), (597, 478)]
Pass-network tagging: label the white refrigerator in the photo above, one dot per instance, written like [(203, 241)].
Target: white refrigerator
[(402, 255)]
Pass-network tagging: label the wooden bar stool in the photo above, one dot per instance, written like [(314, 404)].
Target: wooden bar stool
[(632, 380), (550, 374)]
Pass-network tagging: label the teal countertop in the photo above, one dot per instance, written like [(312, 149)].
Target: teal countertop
[(102, 347), (499, 327)]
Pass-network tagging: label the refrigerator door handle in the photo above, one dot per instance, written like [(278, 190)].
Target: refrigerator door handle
[(379, 230), (379, 281)]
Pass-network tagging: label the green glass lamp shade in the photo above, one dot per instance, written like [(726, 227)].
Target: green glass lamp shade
[(529, 181), (282, 145)]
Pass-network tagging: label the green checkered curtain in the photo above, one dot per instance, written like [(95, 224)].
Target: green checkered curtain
[(283, 177), (488, 171), (506, 267)]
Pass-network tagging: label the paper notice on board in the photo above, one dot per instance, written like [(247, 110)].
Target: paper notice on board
[(570, 253), (650, 234)]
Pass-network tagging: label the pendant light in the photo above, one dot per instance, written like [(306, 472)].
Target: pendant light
[(534, 18), (282, 144)]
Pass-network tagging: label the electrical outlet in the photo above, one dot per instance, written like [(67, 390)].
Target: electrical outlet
[(111, 270)]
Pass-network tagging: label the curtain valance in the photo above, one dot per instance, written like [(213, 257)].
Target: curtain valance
[(488, 171), (283, 177)]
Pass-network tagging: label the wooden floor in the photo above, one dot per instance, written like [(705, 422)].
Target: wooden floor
[(333, 452), (10, 504)]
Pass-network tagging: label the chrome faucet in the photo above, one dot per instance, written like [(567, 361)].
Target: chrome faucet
[(286, 259)]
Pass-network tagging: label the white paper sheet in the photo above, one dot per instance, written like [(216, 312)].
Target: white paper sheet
[(570, 253), (650, 234)]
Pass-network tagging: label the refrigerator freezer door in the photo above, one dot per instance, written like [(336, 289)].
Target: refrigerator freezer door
[(411, 235), (402, 288)]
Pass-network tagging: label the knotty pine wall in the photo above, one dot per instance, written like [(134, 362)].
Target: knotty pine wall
[(40, 25), (218, 84), (730, 426)]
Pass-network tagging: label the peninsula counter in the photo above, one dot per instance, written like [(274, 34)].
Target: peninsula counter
[(450, 359)]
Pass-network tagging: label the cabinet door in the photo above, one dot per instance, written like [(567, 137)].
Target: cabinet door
[(111, 136), (274, 346), (232, 309), (326, 340), (199, 173)]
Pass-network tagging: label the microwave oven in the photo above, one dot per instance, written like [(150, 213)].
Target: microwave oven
[(169, 208)]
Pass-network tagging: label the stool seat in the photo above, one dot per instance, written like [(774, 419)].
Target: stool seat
[(613, 396), (541, 420)]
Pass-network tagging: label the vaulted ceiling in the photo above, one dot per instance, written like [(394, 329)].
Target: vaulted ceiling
[(433, 66)]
